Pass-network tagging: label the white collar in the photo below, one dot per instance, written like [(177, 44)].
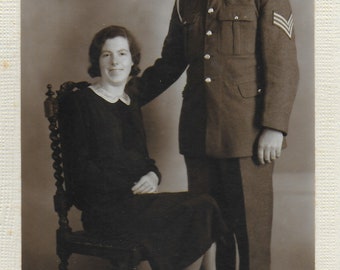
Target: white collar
[(104, 94)]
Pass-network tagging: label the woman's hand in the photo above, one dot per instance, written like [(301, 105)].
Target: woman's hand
[(270, 144), (147, 184)]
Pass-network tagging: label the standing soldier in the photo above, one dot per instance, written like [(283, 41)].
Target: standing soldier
[(242, 79)]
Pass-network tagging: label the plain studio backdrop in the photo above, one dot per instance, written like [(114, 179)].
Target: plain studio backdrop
[(56, 35)]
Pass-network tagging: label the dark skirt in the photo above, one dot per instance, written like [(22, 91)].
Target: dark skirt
[(175, 229)]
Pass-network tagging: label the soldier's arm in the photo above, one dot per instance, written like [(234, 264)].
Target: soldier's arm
[(169, 67), (280, 67)]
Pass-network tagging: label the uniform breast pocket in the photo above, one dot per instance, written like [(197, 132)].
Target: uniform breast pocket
[(237, 30)]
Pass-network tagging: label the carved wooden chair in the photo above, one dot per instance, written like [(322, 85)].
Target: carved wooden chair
[(124, 255)]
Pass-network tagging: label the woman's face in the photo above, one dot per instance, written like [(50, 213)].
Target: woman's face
[(115, 61)]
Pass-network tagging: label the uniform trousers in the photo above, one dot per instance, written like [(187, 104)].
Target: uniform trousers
[(243, 190)]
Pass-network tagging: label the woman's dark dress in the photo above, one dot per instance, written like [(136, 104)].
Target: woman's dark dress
[(107, 156)]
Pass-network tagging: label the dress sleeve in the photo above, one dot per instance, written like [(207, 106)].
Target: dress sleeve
[(167, 69), (153, 168), (278, 51)]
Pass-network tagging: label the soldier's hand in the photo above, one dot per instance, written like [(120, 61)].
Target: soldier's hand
[(270, 145)]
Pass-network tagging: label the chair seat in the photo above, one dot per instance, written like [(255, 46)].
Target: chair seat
[(84, 243), (84, 238)]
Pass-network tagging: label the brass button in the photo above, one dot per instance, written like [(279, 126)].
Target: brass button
[(236, 17), (210, 10), (259, 90), (208, 33), (207, 80), (207, 56)]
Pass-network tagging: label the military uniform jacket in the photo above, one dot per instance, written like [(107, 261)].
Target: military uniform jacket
[(242, 72)]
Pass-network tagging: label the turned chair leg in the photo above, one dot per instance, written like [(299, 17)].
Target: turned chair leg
[(63, 256), (132, 266), (134, 260)]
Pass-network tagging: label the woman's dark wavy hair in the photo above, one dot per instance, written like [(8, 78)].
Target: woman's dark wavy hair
[(98, 43)]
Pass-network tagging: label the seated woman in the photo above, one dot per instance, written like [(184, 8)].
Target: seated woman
[(115, 180)]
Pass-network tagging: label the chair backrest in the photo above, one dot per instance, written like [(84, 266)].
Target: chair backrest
[(56, 109)]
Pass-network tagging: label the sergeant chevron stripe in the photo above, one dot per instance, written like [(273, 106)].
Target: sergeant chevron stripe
[(286, 26)]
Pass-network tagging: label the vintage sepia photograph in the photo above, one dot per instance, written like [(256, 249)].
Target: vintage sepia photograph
[(168, 135)]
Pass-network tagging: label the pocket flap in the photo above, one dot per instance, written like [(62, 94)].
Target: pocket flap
[(237, 13), (249, 89)]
